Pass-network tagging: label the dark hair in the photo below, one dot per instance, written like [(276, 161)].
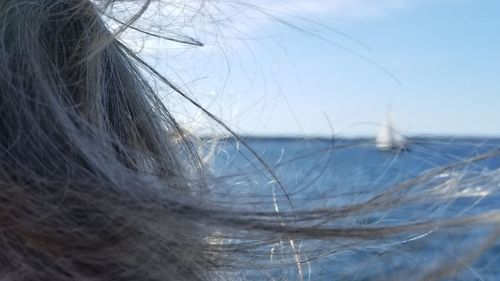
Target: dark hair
[(94, 170), (99, 182)]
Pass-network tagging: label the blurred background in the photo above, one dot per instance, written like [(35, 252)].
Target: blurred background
[(319, 68), (345, 101)]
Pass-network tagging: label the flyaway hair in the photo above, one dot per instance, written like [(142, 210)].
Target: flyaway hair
[(99, 182), (90, 158)]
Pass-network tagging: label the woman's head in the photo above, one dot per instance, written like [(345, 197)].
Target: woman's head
[(90, 160)]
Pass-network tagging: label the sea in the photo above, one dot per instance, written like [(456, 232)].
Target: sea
[(349, 184)]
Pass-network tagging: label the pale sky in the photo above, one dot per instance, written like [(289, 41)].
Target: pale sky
[(312, 67)]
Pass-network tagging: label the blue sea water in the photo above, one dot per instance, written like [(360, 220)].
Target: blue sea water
[(437, 179)]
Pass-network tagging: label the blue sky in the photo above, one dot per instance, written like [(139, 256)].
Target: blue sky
[(335, 67)]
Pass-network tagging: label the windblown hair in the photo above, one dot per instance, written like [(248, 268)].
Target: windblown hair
[(99, 182), (91, 162)]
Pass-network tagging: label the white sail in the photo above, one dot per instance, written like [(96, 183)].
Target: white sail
[(388, 138)]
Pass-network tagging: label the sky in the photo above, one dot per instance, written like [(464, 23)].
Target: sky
[(335, 67)]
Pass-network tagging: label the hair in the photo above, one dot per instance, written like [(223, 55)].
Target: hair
[(92, 164), (99, 182)]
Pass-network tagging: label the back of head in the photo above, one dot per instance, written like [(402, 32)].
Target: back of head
[(85, 145)]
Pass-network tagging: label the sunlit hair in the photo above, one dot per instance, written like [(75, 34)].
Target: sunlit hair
[(99, 182)]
